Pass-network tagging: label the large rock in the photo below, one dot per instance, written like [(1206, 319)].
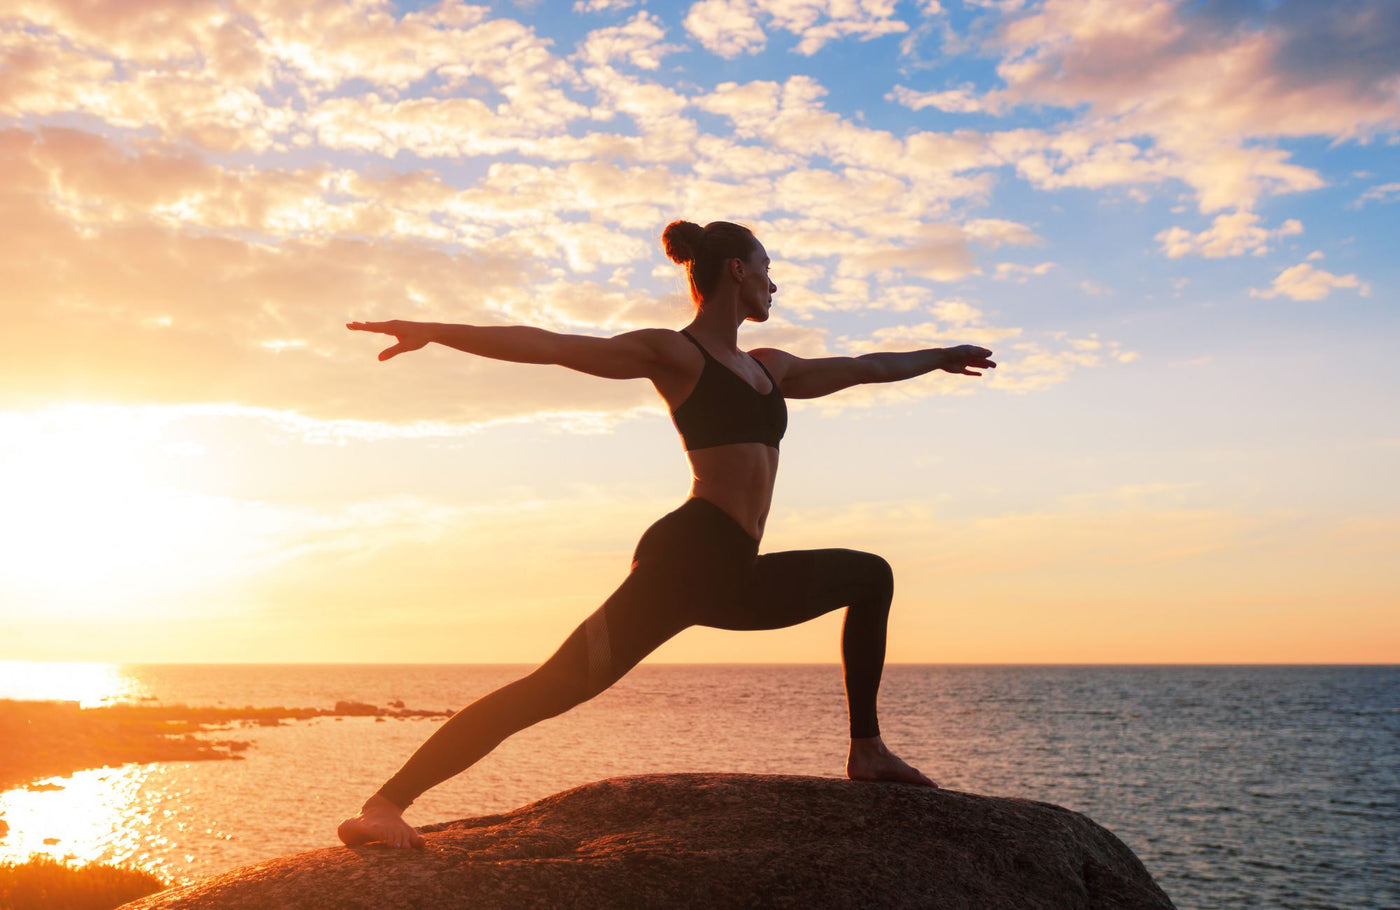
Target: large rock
[(718, 841)]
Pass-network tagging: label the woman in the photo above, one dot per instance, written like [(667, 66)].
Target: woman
[(698, 565)]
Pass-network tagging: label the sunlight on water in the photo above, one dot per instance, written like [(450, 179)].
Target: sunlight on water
[(83, 818), (90, 684), (140, 816), (1237, 786)]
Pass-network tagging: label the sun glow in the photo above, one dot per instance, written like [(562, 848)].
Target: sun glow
[(89, 525), (89, 684)]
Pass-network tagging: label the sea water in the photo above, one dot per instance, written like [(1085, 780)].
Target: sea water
[(1237, 786)]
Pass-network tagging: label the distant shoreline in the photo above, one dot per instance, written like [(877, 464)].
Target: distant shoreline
[(46, 739)]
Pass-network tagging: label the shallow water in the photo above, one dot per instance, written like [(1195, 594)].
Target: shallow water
[(1237, 786)]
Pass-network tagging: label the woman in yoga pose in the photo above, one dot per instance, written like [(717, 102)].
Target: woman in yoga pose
[(698, 565)]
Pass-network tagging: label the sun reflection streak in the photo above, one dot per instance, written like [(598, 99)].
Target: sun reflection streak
[(136, 816), (90, 684), (84, 818)]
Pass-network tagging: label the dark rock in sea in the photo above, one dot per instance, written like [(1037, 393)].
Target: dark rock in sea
[(718, 841), (355, 709)]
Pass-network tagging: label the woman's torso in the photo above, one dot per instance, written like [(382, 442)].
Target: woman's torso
[(738, 477)]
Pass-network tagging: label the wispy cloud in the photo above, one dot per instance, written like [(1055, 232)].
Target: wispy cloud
[(1233, 234), (1384, 192)]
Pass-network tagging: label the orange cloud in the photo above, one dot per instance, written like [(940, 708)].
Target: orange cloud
[(1199, 90), (160, 254)]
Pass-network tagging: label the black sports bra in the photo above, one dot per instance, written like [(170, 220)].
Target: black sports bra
[(724, 409)]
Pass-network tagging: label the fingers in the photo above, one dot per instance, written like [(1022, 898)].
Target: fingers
[(391, 351)]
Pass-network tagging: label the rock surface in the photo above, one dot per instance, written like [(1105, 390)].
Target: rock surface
[(718, 841)]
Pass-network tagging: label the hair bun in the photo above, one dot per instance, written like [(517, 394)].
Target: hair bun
[(682, 241)]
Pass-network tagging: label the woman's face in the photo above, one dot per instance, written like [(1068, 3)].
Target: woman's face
[(756, 289)]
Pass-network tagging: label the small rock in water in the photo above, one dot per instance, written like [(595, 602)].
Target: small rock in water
[(355, 708)]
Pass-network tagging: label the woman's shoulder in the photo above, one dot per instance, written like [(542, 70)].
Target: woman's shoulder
[(775, 360), (668, 345)]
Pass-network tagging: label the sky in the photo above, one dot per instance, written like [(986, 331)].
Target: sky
[(1172, 222)]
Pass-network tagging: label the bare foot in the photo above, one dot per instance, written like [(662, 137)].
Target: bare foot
[(871, 759), (379, 822)]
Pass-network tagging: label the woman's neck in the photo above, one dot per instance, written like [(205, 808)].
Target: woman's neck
[(718, 321)]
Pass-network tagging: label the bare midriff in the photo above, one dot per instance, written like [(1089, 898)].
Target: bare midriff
[(739, 479)]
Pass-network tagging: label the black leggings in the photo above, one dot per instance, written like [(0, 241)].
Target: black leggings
[(696, 566)]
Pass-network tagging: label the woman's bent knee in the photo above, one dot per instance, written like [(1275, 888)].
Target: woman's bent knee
[(880, 579)]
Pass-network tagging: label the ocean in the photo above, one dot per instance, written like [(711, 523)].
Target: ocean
[(1248, 786)]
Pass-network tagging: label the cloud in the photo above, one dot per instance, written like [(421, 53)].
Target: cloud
[(731, 27), (1200, 89), (602, 6), (223, 76), (938, 252), (394, 159), (44, 76), (1013, 271), (1307, 282), (1233, 234), (1231, 71), (1023, 365), (639, 41), (961, 100), (167, 312), (1384, 192), (790, 117), (996, 232), (726, 27), (1032, 366)]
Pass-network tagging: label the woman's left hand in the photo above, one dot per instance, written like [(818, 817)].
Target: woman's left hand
[(964, 356)]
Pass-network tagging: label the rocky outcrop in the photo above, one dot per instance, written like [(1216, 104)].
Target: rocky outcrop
[(718, 841), (53, 738)]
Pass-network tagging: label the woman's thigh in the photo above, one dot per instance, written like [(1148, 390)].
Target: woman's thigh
[(790, 587), (640, 616)]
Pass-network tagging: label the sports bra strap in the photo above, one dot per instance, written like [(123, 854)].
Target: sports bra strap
[(771, 381), (691, 339)]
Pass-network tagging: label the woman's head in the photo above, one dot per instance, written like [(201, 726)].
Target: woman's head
[(707, 252)]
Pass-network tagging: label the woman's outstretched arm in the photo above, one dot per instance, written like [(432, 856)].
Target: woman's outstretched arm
[(812, 378), (633, 355)]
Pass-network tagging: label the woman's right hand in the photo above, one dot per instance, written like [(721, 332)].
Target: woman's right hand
[(411, 335)]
